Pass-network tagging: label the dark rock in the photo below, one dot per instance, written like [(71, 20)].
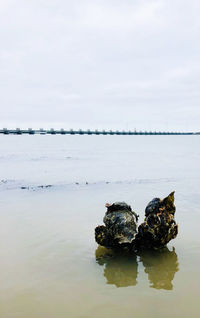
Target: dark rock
[(120, 229), (159, 226), (120, 226)]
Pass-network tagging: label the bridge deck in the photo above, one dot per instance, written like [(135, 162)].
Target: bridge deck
[(30, 131)]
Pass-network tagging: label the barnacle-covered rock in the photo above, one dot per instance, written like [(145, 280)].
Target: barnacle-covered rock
[(120, 229), (120, 226), (159, 226)]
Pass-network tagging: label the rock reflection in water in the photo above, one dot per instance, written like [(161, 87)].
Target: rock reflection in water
[(121, 268), (161, 267)]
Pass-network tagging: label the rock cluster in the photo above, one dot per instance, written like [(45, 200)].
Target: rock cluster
[(120, 229)]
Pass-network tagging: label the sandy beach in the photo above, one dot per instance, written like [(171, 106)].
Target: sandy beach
[(52, 195)]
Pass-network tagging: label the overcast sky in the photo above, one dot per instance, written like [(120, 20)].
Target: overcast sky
[(108, 64)]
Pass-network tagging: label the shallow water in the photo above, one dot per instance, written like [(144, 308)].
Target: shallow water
[(50, 265)]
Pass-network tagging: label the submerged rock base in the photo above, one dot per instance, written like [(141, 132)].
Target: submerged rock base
[(120, 229)]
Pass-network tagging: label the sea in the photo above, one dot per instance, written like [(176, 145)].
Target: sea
[(53, 191)]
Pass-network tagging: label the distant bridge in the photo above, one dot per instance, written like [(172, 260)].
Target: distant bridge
[(52, 131)]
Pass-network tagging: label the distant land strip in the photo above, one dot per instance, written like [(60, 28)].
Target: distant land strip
[(52, 131)]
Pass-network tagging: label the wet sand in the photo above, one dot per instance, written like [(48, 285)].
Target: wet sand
[(50, 265)]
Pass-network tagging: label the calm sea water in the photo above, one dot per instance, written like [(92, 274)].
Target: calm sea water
[(52, 195)]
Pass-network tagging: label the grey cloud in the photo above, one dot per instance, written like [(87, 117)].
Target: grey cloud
[(104, 64)]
